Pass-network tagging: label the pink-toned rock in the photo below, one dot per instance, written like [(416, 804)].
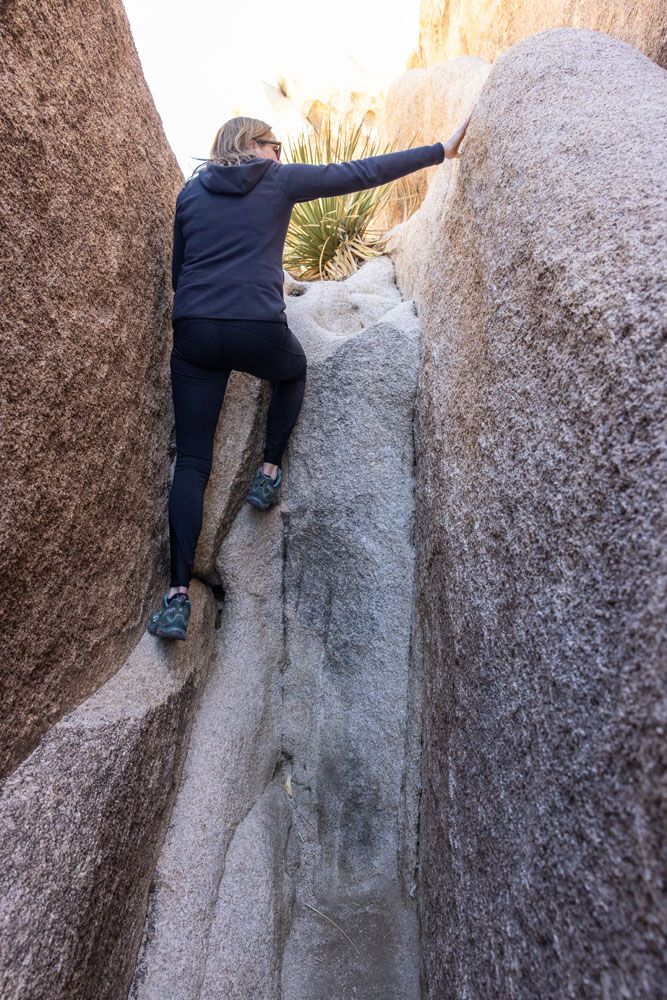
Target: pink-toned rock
[(425, 106), (86, 205), (485, 28), (539, 267)]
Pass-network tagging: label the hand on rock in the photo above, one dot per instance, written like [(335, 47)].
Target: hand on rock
[(455, 140)]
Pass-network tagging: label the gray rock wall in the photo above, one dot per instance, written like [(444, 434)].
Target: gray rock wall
[(541, 440), (348, 584)]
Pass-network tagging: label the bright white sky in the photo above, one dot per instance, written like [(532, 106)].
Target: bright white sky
[(203, 57)]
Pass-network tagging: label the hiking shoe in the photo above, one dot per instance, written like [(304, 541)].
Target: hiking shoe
[(171, 621), (264, 490)]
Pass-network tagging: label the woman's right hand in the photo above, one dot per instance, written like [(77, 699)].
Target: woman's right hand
[(455, 140)]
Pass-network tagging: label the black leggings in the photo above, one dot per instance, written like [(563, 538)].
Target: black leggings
[(204, 353)]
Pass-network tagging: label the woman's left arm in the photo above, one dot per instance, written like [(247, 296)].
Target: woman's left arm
[(178, 253)]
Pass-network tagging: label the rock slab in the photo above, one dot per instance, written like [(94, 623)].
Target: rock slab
[(82, 820)]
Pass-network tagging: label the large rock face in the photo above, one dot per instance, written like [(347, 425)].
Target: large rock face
[(425, 106), (485, 28), (85, 214), (542, 467)]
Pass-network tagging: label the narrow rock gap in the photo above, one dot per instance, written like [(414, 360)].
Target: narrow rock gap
[(295, 791)]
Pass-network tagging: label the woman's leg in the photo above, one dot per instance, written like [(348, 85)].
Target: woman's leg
[(284, 408), (197, 393), (204, 354), (270, 351)]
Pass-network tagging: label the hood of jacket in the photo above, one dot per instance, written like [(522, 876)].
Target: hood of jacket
[(236, 179)]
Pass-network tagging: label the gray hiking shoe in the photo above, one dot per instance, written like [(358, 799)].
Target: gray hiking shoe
[(171, 621), (264, 490)]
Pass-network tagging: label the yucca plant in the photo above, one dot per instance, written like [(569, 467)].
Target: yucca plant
[(329, 238)]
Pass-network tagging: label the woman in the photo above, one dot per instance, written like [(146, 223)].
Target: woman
[(230, 224)]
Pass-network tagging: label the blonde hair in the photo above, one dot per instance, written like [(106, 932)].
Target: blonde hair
[(231, 145)]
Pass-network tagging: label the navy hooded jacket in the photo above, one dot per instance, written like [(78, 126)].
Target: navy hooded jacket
[(231, 221)]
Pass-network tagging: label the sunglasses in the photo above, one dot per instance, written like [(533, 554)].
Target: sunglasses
[(270, 142)]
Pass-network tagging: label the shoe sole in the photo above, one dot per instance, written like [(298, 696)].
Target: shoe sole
[(170, 632), (258, 506)]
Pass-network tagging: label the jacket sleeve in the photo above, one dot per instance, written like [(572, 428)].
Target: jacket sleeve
[(305, 181), (178, 252)]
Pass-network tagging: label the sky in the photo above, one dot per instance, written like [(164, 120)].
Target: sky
[(201, 59)]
